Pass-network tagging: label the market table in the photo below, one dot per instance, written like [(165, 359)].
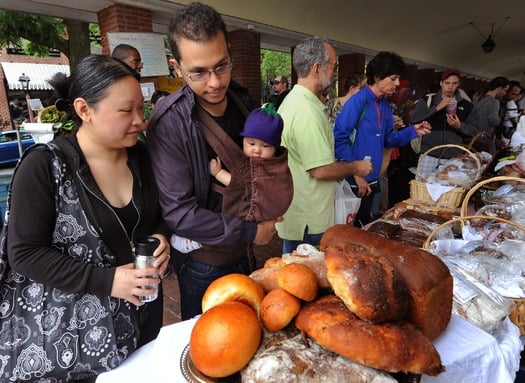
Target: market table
[(469, 354)]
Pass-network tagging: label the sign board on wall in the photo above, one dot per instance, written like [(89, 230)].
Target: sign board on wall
[(150, 46)]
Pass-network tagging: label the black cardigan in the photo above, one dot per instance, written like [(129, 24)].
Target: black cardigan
[(32, 219)]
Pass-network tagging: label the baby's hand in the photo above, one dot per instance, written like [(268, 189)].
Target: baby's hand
[(215, 166)]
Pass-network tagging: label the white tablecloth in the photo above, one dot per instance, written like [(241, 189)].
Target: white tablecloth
[(469, 354)]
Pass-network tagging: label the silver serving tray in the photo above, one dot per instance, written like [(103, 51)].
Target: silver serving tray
[(193, 375)]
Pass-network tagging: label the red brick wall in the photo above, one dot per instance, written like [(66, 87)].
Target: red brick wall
[(4, 91), (122, 18), (246, 53)]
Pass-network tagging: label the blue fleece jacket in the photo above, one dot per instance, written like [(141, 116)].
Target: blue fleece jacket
[(375, 131)]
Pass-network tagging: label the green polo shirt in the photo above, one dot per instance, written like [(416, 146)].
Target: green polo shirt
[(309, 138)]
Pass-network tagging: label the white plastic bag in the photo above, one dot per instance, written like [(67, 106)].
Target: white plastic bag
[(346, 203)]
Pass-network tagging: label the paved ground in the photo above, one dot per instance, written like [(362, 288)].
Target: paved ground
[(171, 286)]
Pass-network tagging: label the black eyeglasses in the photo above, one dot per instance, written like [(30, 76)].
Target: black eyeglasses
[(219, 70)]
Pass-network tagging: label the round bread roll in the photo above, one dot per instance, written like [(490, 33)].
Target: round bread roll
[(278, 308), (233, 287), (224, 339), (299, 280)]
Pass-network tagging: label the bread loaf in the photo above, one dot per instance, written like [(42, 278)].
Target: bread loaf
[(287, 356), (299, 280), (393, 347), (367, 283), (426, 277), (278, 308)]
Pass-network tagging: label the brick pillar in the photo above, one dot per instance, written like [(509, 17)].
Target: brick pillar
[(424, 78), (122, 18), (348, 64), (246, 54)]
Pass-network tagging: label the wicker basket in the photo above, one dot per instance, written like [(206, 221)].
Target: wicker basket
[(517, 315), (479, 185), (451, 199)]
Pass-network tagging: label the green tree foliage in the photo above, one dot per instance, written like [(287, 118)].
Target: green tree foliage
[(37, 34), (274, 64)]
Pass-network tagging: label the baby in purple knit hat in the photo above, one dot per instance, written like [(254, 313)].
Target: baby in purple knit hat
[(262, 136)]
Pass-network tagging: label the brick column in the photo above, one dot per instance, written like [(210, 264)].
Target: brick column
[(245, 49), (122, 18), (348, 64)]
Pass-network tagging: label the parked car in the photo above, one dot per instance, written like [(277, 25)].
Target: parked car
[(9, 152)]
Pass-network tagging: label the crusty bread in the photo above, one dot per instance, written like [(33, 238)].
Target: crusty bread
[(287, 356), (427, 279), (367, 283), (266, 277), (393, 347)]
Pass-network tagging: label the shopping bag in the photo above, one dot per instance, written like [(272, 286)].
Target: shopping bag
[(346, 203)]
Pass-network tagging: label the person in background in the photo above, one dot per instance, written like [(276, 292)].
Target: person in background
[(70, 239), (510, 113), (447, 113), (308, 136), (486, 113), (181, 156), (129, 55), (280, 88), (352, 84), (365, 127), (157, 96)]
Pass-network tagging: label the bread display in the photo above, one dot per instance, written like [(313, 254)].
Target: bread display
[(286, 356), (367, 283), (393, 347), (427, 279)]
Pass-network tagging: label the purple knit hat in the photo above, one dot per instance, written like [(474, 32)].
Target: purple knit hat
[(264, 124)]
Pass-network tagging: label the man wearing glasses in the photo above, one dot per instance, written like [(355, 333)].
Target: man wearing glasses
[(181, 156), (129, 55)]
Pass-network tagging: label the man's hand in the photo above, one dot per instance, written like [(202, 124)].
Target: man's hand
[(363, 189), (363, 168), (454, 121), (444, 102)]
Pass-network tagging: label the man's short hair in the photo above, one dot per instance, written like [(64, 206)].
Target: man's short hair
[(123, 51), (497, 82), (195, 22), (308, 52), (280, 79), (384, 64)]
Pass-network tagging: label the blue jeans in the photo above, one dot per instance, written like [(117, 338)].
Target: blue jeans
[(194, 278), (312, 239)]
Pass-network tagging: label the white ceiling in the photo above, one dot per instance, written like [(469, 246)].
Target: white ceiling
[(429, 34)]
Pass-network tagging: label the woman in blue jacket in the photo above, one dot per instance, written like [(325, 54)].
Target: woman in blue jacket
[(366, 125)]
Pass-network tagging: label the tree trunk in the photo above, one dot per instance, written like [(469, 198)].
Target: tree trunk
[(79, 43)]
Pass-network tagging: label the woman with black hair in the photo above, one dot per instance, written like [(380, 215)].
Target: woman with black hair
[(76, 206)]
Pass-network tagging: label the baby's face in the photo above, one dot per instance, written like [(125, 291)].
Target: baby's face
[(254, 147)]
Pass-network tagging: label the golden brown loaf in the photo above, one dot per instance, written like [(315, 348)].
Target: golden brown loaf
[(426, 277), (367, 283), (393, 347)]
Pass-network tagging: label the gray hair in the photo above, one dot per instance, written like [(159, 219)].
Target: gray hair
[(309, 51)]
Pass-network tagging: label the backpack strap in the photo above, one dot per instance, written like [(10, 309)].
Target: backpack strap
[(361, 116)]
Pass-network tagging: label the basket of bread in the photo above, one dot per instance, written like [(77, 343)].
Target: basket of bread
[(484, 254), (353, 308), (442, 182)]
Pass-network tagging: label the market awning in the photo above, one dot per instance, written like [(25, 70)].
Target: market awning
[(38, 73)]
